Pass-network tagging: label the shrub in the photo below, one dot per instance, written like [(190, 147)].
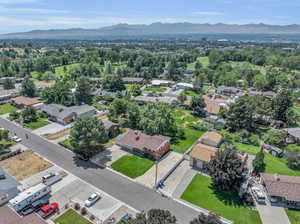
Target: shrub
[(92, 217), (83, 211), (66, 206), (77, 206)]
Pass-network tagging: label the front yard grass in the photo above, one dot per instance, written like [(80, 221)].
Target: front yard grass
[(132, 166), (71, 216), (273, 164), (4, 144), (155, 89), (182, 145), (7, 109), (200, 192), (25, 165), (294, 215), (67, 144), (36, 124)]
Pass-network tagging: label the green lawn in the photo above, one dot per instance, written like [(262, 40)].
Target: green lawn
[(36, 124), (190, 93), (203, 60), (67, 143), (70, 217), (132, 166), (201, 193), (182, 145), (7, 108), (294, 215), (273, 164), (262, 69), (292, 147), (155, 89)]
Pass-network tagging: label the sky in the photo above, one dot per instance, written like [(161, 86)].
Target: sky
[(26, 15)]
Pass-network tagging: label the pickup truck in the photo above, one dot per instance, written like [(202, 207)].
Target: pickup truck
[(48, 210)]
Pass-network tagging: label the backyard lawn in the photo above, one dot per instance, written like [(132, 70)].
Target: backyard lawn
[(36, 124), (294, 215), (155, 89), (273, 164), (71, 216), (201, 193), (132, 166), (7, 108), (190, 93)]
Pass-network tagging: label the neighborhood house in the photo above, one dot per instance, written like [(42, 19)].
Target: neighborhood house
[(153, 147), (66, 115), (201, 155), (22, 102), (293, 135), (158, 82), (282, 189), (162, 99), (111, 128), (211, 138)]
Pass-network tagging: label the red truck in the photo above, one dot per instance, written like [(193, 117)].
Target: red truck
[(48, 210)]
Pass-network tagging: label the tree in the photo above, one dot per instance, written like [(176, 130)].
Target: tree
[(292, 118), (258, 162), (155, 216), (108, 69), (8, 84), (157, 119), (83, 90), (198, 105), (28, 88), (113, 83), (211, 218), (227, 169), (29, 114), (135, 89), (280, 105), (48, 76), (240, 115), (275, 138), (182, 98), (60, 93), (87, 135)]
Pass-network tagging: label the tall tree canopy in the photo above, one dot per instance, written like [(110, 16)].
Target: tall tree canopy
[(280, 105), (155, 216), (83, 90), (28, 88), (211, 218), (113, 83)]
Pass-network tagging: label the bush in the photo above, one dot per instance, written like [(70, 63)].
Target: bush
[(9, 155), (77, 206), (83, 211), (92, 217)]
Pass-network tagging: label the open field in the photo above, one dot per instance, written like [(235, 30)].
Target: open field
[(71, 216), (203, 60), (24, 165), (7, 108), (132, 166), (201, 193)]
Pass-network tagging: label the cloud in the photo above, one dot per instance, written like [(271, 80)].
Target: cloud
[(208, 13)]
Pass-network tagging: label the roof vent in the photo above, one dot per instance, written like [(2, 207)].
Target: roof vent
[(277, 178)]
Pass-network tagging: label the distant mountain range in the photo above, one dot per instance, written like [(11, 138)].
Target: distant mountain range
[(156, 29)]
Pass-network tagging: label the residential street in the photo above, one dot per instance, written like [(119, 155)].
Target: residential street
[(133, 194)]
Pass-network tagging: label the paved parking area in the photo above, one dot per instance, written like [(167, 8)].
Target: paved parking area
[(78, 191), (51, 128), (164, 166), (109, 156)]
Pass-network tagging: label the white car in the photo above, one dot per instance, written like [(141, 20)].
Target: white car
[(16, 139), (92, 199), (259, 195)]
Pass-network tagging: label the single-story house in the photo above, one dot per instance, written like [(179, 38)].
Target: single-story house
[(7, 94), (153, 147), (282, 189), (8, 187), (183, 85), (111, 128), (213, 108), (227, 90), (274, 151), (9, 216), (23, 101), (201, 155), (132, 80), (65, 115), (159, 82), (211, 138), (293, 135), (158, 99)]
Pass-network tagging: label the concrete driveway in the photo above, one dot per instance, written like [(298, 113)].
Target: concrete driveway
[(272, 214), (108, 156), (51, 128), (164, 166), (78, 191)]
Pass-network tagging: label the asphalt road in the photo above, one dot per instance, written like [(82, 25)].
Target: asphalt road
[(133, 194)]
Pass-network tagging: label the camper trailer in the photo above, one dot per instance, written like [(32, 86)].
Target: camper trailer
[(29, 196)]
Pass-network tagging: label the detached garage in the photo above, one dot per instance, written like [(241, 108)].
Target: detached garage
[(201, 155)]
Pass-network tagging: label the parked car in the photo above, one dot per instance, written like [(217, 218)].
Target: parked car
[(258, 195), (16, 139), (4, 151), (92, 199), (48, 210)]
